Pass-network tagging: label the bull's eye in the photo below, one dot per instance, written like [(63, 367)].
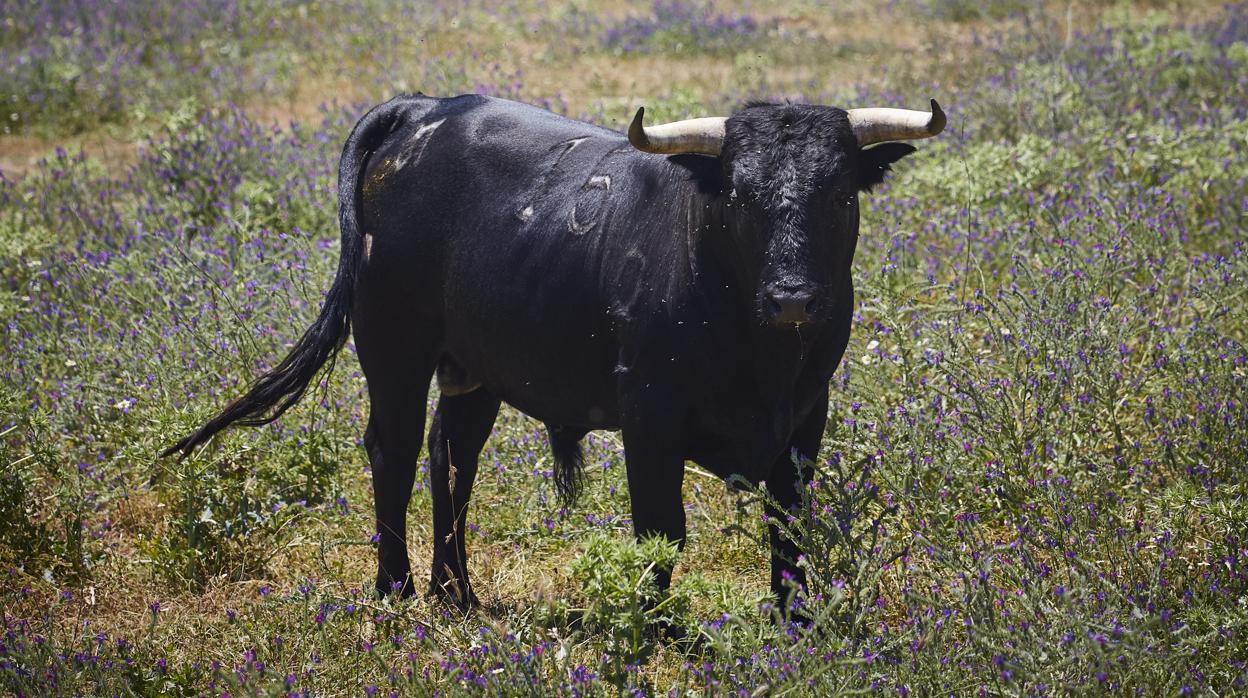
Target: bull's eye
[(843, 198)]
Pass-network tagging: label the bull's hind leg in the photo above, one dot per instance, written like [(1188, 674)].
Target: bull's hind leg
[(398, 366), (395, 425), (460, 427)]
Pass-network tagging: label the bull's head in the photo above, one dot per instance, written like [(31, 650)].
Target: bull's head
[(793, 173)]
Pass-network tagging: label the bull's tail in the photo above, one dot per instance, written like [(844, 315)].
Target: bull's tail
[(282, 386)]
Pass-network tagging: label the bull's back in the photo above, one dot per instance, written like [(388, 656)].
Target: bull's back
[(503, 227)]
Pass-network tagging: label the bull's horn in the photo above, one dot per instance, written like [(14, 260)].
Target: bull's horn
[(705, 135), (875, 125)]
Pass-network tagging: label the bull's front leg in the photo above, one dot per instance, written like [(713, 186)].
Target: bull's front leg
[(654, 460), (784, 485)]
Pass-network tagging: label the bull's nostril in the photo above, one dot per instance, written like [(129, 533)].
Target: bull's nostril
[(790, 306)]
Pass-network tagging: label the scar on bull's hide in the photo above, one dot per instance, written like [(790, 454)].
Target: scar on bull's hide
[(596, 183), (453, 379), (541, 187), (578, 227), (415, 146), (368, 246)]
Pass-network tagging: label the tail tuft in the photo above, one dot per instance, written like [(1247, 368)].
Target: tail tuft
[(280, 388)]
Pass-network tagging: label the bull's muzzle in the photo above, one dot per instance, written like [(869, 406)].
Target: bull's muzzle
[(789, 305)]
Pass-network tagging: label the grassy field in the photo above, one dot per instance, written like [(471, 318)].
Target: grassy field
[(1035, 476)]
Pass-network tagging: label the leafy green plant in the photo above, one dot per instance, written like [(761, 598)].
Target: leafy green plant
[(623, 603), (846, 534), (47, 507)]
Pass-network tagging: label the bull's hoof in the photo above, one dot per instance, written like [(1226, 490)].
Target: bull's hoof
[(797, 614), (454, 593), (386, 586), (671, 632)]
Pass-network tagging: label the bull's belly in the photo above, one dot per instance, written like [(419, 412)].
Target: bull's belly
[(586, 416), (734, 436), (546, 381), (587, 411)]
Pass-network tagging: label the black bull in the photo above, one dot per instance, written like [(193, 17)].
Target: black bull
[(699, 304)]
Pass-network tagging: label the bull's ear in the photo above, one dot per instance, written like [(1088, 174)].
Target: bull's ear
[(873, 163)]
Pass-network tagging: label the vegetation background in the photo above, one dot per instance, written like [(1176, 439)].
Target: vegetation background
[(1034, 479)]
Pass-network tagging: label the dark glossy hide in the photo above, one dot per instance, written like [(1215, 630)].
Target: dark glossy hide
[(532, 259)]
